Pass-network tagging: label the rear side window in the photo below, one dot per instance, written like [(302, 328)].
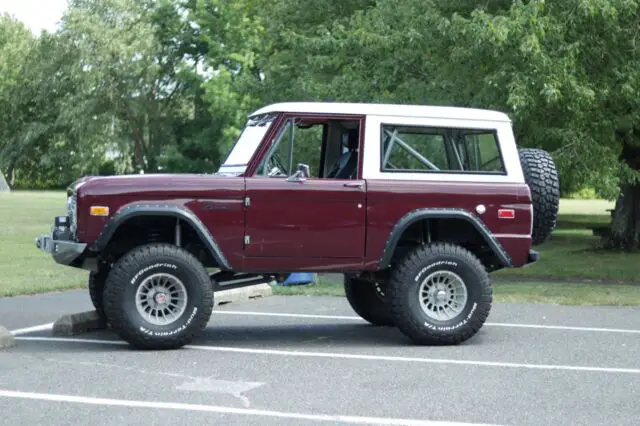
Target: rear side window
[(444, 150)]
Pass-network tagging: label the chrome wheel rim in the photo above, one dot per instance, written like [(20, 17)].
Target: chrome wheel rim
[(161, 299), (443, 295)]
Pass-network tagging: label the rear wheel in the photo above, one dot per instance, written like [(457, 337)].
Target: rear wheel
[(158, 296), (368, 300), (439, 294)]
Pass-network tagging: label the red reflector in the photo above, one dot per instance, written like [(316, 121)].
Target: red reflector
[(506, 213)]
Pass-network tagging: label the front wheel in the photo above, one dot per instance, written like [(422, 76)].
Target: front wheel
[(440, 294), (158, 296)]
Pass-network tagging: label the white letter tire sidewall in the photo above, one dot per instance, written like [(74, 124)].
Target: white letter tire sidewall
[(132, 270), (410, 316)]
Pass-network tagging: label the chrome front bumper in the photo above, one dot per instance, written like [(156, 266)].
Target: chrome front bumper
[(63, 252)]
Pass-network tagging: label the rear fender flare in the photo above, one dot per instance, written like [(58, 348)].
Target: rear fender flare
[(420, 214), (179, 212)]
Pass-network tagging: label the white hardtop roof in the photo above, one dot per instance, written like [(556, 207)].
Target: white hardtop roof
[(384, 109)]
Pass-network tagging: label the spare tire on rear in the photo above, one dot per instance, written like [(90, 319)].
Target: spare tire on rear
[(542, 177)]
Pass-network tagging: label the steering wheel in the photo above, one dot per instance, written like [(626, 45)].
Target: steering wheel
[(275, 167)]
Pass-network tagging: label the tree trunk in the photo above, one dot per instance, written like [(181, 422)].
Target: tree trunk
[(138, 149), (625, 224), (10, 176)]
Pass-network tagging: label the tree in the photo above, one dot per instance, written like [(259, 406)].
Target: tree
[(257, 52), (569, 74), (16, 43), (566, 72), (140, 91)]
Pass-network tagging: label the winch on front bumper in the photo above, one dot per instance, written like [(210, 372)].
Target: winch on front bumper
[(59, 243)]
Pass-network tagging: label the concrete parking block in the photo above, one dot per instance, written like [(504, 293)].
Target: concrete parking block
[(83, 322), (6, 339), (242, 294)]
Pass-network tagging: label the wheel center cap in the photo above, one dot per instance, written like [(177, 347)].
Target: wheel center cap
[(160, 298), (441, 295)]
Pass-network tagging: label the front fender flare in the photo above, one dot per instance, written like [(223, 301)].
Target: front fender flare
[(180, 212), (419, 214)]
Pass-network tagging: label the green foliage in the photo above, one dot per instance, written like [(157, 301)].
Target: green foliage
[(16, 43), (115, 90), (166, 85)]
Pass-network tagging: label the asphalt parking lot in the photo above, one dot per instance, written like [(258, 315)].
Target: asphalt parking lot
[(307, 360)]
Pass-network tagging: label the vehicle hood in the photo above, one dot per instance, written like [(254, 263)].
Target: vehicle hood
[(158, 185)]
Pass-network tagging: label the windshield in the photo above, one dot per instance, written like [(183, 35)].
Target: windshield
[(242, 151)]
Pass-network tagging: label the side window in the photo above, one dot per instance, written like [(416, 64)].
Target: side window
[(328, 147), (276, 162), (415, 149), (444, 150), (481, 152), (307, 147)]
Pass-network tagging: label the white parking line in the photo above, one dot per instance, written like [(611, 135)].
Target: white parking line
[(490, 324), (27, 330), (339, 355), (223, 410), (49, 326)]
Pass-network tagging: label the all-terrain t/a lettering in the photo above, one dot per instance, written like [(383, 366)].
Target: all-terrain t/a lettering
[(386, 195), (453, 327), (173, 332)]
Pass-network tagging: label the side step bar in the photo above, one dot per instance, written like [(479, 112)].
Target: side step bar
[(225, 280)]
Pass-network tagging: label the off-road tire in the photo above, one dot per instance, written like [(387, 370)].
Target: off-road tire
[(96, 288), (130, 272), (366, 300), (404, 294), (542, 177)]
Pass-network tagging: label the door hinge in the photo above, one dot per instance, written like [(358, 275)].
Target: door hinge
[(247, 201), (247, 240)]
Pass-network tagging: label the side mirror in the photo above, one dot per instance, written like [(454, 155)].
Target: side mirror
[(301, 174), (303, 169)]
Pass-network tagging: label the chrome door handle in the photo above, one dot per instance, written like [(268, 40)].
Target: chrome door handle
[(353, 185), (295, 178)]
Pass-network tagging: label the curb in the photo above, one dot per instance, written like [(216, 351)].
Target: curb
[(242, 294), (6, 338), (69, 325)]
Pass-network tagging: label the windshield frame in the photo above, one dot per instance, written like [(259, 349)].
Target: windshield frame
[(237, 159)]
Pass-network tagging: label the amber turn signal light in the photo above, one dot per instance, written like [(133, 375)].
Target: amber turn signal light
[(99, 211)]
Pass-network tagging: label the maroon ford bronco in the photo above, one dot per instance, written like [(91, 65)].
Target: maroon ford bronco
[(415, 205)]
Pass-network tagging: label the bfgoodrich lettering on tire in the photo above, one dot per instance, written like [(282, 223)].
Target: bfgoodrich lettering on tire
[(440, 294), (158, 296)]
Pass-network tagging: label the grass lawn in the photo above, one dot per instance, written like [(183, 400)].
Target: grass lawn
[(23, 268), (505, 292), (569, 255)]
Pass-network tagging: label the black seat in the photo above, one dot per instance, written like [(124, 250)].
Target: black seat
[(346, 166)]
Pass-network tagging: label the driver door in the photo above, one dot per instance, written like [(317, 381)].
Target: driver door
[(292, 215)]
